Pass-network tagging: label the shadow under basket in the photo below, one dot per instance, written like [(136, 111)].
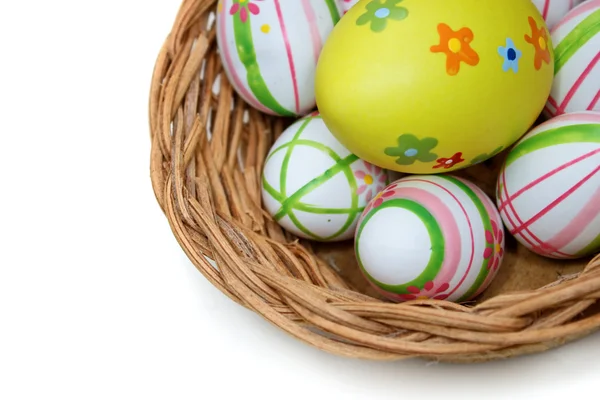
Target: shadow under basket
[(208, 149)]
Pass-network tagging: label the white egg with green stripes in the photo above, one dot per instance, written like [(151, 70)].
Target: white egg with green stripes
[(313, 186)]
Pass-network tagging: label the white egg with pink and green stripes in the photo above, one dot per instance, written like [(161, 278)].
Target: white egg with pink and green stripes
[(430, 237), (576, 41), (269, 50), (554, 10), (548, 190)]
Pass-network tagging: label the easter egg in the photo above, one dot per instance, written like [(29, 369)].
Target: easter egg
[(554, 10), (548, 191), (576, 40), (430, 236), (313, 186), (429, 86), (269, 50)]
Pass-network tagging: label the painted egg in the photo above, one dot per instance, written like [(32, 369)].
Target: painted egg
[(313, 186), (548, 192), (347, 4), (554, 10), (428, 86), (576, 40), (269, 50), (430, 236)]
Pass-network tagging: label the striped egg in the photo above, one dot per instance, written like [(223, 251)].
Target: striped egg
[(269, 50), (554, 10), (430, 236), (576, 40), (313, 186), (548, 191)]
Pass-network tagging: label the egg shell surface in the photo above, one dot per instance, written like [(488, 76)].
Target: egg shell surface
[(430, 236), (554, 10), (313, 186), (548, 191), (429, 86), (576, 40), (269, 50)]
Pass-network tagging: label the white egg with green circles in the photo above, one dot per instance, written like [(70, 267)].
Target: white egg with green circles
[(313, 186)]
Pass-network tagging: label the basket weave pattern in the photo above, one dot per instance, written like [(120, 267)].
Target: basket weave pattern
[(208, 186)]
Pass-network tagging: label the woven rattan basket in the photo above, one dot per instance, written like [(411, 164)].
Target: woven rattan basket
[(207, 184)]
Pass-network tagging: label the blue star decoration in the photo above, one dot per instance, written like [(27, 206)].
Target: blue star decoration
[(511, 56)]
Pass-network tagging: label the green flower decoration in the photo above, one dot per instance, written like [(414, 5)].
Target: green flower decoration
[(379, 11), (483, 157), (411, 149)]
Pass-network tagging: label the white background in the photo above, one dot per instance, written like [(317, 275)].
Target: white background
[(97, 300)]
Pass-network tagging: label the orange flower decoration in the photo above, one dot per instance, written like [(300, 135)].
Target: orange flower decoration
[(539, 40), (456, 46)]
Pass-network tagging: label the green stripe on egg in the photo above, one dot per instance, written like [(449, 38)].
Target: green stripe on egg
[(435, 236), (562, 135), (247, 54), (576, 39), (288, 154), (333, 10), (293, 203)]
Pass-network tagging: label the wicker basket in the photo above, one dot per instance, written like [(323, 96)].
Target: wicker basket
[(208, 187)]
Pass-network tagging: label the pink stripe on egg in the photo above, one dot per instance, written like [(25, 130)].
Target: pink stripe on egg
[(248, 97), (520, 226), (288, 49), (548, 110), (552, 102), (594, 101), (556, 202), (578, 224), (546, 7), (315, 36), (546, 176), (492, 211), (449, 227), (577, 85), (579, 117), (577, 11), (505, 202)]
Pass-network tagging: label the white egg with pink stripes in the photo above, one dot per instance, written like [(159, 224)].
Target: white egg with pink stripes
[(548, 191), (434, 237), (554, 10), (269, 50), (576, 41)]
